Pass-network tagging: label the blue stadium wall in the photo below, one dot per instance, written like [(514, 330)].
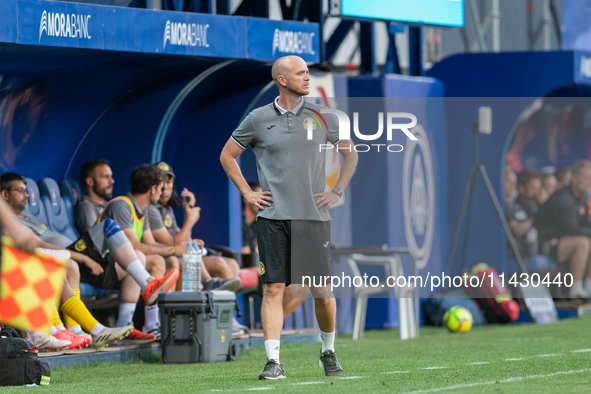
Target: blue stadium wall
[(508, 83)]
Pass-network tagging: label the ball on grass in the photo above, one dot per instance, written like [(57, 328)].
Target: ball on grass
[(458, 319)]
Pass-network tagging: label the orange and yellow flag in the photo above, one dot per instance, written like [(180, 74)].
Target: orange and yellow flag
[(30, 288)]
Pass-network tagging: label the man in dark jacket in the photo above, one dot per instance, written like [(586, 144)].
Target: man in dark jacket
[(564, 228)]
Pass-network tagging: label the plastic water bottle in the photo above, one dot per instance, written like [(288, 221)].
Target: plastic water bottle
[(198, 281), (531, 239), (190, 259)]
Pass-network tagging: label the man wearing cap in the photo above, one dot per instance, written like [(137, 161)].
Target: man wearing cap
[(166, 231)]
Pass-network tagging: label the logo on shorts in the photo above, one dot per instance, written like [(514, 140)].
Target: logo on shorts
[(262, 267), (167, 221), (80, 245)]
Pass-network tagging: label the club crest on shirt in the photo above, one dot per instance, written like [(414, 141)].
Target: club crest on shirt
[(167, 221), (262, 267), (80, 245)]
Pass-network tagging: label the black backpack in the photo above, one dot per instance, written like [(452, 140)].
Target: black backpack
[(19, 364)]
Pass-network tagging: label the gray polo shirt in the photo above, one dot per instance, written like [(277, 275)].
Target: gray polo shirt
[(86, 212), (288, 164), (162, 217), (120, 212), (42, 232)]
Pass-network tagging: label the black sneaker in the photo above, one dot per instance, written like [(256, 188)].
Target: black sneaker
[(231, 284), (330, 364), (272, 371)]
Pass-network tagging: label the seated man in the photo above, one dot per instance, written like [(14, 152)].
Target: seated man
[(70, 304), (97, 180), (166, 231), (130, 212), (520, 217), (91, 247), (564, 228)]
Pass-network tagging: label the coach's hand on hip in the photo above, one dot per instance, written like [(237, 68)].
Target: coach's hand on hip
[(259, 199), (326, 200)]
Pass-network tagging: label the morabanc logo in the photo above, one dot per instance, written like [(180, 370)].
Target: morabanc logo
[(286, 41), (57, 24), (185, 34)]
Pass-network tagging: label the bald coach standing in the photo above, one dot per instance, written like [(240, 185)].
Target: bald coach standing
[(293, 223)]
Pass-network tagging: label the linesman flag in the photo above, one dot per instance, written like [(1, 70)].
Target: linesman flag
[(30, 287)]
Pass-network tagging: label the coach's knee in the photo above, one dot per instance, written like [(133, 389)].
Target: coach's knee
[(273, 290)]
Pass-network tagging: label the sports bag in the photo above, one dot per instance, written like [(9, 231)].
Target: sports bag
[(19, 364), (494, 299)]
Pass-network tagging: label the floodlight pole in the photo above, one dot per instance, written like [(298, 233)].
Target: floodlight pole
[(467, 209)]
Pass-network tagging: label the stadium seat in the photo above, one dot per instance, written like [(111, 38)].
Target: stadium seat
[(35, 207), (55, 209), (407, 318), (71, 193)]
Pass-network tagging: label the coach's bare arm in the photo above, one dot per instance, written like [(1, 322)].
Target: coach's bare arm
[(350, 158), (228, 159)]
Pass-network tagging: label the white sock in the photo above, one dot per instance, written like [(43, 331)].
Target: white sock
[(272, 348), (327, 341), (152, 318), (576, 289), (126, 311), (53, 330), (76, 330), (138, 272), (60, 327), (96, 330)]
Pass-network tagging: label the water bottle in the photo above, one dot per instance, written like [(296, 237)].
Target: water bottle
[(198, 282), (531, 240), (190, 259)]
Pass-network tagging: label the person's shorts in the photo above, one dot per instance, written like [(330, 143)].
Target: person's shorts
[(293, 251), (108, 279)]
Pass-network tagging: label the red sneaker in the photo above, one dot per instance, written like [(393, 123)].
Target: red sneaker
[(77, 342), (136, 337), (159, 285)]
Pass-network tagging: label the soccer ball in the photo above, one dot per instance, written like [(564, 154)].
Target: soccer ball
[(458, 319)]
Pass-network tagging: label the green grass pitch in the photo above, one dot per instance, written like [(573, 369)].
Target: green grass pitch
[(519, 358)]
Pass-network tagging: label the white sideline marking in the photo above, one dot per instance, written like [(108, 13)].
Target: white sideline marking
[(581, 351), (260, 388), (350, 377), (388, 373), (302, 383), (550, 355), (513, 359), (509, 380), (479, 363), (434, 367)]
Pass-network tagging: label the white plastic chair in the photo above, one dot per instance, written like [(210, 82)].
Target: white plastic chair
[(393, 268)]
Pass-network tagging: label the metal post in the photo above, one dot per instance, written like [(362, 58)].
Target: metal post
[(547, 22), (415, 51), (496, 26)]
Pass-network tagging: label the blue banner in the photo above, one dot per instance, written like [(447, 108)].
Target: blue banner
[(8, 27), (268, 39), (121, 29)]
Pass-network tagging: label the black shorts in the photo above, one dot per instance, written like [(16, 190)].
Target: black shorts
[(108, 279), (292, 250)]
